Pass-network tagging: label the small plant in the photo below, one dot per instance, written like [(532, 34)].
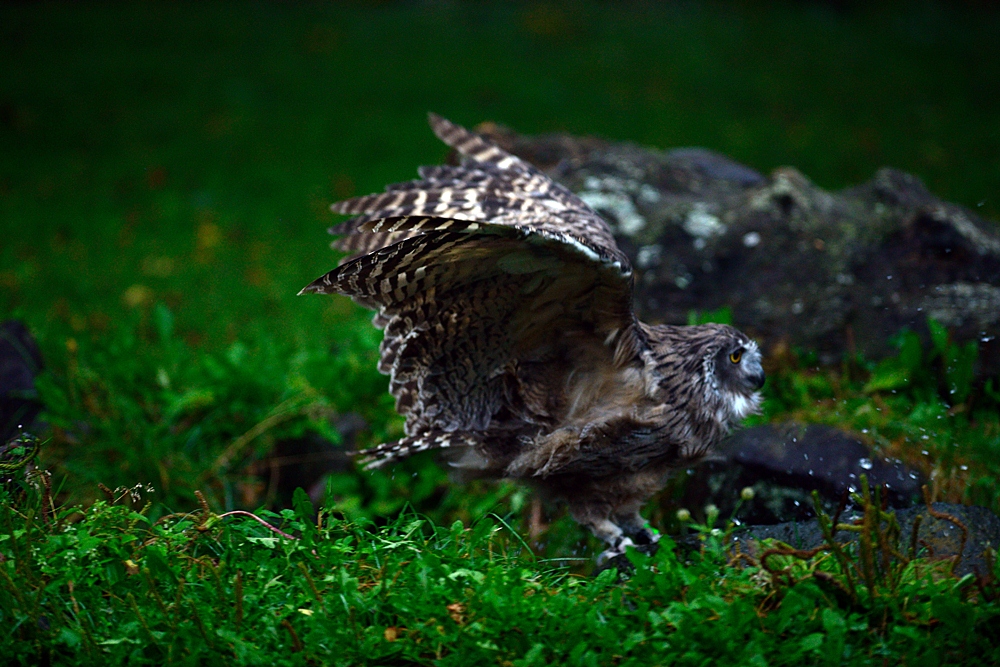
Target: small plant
[(18, 452), (872, 567), (946, 368)]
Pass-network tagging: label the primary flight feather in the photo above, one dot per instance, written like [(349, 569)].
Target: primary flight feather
[(510, 339)]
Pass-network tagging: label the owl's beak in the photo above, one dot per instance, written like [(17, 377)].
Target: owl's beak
[(758, 380)]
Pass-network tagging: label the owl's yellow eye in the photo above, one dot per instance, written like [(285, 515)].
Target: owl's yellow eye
[(736, 356)]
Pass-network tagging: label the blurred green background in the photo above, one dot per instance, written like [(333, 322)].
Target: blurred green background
[(166, 171)]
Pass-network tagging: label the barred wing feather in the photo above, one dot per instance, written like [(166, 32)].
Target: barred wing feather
[(484, 277)]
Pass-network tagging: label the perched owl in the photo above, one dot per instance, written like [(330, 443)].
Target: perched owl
[(511, 341)]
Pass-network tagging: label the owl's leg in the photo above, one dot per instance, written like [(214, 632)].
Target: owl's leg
[(633, 525), (596, 517)]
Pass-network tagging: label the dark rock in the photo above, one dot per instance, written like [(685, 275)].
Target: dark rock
[(307, 461), (20, 362), (785, 464), (937, 538), (828, 271)]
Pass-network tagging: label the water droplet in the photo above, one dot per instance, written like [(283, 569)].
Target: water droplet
[(865, 463), (864, 430), (925, 452)]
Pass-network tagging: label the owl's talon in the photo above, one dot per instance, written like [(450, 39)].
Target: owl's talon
[(647, 536), (617, 550)]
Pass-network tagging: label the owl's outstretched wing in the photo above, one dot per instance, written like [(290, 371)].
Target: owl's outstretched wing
[(490, 185), (493, 284)]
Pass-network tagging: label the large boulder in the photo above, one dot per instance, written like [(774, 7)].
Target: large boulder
[(797, 265)]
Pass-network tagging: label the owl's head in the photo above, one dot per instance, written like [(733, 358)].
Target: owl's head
[(734, 376), (714, 368)]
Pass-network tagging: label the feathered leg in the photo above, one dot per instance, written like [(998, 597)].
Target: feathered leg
[(597, 517), (634, 526)]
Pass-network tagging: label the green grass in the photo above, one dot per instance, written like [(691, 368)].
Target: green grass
[(110, 587), (166, 170), (165, 173)]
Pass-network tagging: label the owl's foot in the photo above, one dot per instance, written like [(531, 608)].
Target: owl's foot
[(646, 536), (615, 551)]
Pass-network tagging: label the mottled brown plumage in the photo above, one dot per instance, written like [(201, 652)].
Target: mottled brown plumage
[(510, 339)]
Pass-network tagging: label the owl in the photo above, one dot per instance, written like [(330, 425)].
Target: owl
[(510, 340)]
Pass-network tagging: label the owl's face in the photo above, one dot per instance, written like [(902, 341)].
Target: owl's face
[(735, 376), (737, 367), (715, 369)]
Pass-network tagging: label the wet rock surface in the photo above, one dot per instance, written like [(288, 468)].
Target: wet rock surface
[(971, 532), (829, 271), (784, 464), (20, 362), (937, 538)]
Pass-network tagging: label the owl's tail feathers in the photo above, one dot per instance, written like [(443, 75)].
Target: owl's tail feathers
[(376, 457)]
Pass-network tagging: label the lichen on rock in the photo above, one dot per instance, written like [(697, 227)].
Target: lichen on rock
[(795, 264)]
